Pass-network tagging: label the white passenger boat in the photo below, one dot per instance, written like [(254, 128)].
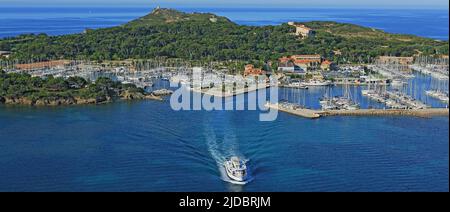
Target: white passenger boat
[(236, 169)]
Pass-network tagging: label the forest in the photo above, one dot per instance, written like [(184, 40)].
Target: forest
[(207, 37)]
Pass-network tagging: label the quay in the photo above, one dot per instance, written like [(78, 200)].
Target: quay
[(313, 114), (424, 113), (225, 94), (306, 113)]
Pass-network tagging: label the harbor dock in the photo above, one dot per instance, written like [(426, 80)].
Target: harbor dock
[(224, 94), (313, 114), (424, 113), (303, 112)]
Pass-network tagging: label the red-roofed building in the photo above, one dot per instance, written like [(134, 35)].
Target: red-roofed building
[(305, 62), (326, 65), (43, 65), (313, 57), (250, 70), (284, 59)]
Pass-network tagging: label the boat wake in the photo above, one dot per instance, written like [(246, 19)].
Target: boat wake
[(221, 149)]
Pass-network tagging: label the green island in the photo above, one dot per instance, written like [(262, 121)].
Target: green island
[(195, 37), (207, 37), (21, 88)]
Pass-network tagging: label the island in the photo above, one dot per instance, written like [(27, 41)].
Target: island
[(169, 39), (208, 37)]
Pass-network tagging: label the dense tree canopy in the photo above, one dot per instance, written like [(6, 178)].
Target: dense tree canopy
[(15, 85), (197, 36)]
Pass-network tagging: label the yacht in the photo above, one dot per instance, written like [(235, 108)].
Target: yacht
[(397, 83), (317, 83), (236, 169), (298, 85)]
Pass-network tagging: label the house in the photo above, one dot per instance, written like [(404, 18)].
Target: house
[(302, 30), (327, 65), (5, 54), (250, 70)]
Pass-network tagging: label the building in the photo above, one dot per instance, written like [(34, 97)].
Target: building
[(289, 67), (307, 62), (5, 54), (396, 60), (302, 30), (250, 70), (43, 65), (327, 65), (311, 57), (302, 62)]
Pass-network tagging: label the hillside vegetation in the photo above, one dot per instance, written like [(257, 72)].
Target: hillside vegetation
[(21, 88), (207, 37)]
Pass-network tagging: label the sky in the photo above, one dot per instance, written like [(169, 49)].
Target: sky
[(439, 4)]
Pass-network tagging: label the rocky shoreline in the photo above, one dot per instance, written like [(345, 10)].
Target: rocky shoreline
[(23, 89), (61, 101)]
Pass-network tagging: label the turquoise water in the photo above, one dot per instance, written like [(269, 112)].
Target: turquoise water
[(145, 146)]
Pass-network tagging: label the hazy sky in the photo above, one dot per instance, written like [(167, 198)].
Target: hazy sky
[(443, 4)]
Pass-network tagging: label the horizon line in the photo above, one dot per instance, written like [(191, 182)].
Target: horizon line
[(152, 6)]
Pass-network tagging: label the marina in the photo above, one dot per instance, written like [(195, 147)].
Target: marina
[(147, 146)]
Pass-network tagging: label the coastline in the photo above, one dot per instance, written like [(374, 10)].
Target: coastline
[(24, 101), (313, 114)]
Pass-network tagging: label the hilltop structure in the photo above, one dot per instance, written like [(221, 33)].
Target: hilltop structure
[(302, 30), (170, 33)]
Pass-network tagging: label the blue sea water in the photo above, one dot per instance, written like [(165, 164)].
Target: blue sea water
[(146, 146)]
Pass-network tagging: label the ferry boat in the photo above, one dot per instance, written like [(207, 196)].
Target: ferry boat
[(236, 169)]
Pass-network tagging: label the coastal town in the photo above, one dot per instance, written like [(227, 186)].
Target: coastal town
[(382, 82), (386, 81)]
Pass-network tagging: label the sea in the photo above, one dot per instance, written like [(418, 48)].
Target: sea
[(147, 146)]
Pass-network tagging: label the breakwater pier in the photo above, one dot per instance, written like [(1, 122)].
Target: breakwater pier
[(313, 114)]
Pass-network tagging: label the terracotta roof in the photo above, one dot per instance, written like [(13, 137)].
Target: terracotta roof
[(46, 64), (304, 61), (284, 59), (327, 62)]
